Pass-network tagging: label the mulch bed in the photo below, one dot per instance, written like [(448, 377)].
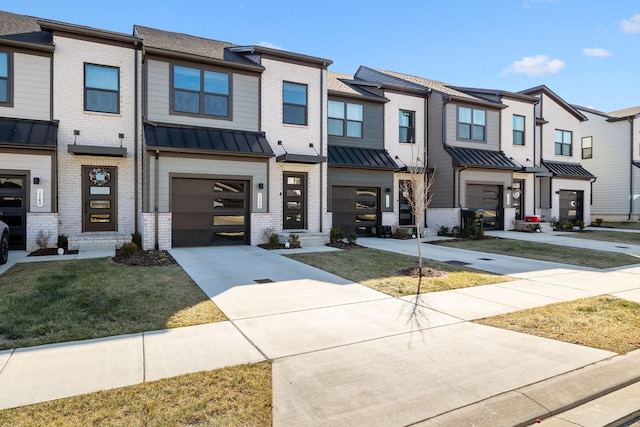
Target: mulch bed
[(146, 259), (280, 246), (344, 245), (426, 272), (51, 251)]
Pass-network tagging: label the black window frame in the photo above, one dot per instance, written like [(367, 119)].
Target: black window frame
[(305, 106), (9, 79), (202, 94), (519, 132), (560, 145), (87, 89), (587, 152), (410, 130), (345, 121), (472, 125)]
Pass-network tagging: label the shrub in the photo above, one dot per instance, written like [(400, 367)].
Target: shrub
[(533, 227), (444, 230), (580, 225), (267, 233), (335, 235), (598, 221), (42, 239), (136, 238), (274, 240), (401, 233), (352, 238), (455, 230), (294, 240), (63, 241), (128, 249)]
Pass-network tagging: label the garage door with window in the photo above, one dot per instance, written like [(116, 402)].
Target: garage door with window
[(356, 209), (489, 199), (13, 208), (207, 212)]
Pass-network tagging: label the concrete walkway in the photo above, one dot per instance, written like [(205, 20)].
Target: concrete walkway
[(344, 354)]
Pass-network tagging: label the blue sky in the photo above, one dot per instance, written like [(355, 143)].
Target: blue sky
[(587, 51)]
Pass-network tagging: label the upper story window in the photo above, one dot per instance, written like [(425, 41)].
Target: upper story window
[(407, 126), (4, 78), (101, 88), (563, 142), (345, 119), (518, 130), (294, 103), (587, 147), (471, 124), (200, 92)]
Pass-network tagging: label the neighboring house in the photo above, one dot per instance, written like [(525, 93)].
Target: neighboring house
[(463, 133), (211, 177), (566, 194), (610, 149)]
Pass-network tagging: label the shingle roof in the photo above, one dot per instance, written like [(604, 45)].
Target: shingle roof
[(482, 158), (218, 141), (567, 170), (334, 82), (22, 28), (627, 112), (192, 45), (30, 133), (367, 158), (339, 83)]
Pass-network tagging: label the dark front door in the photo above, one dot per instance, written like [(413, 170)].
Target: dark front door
[(517, 198), (99, 198), (571, 205), (13, 208), (294, 201), (489, 199)]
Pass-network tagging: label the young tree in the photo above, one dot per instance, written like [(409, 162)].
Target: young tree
[(416, 189)]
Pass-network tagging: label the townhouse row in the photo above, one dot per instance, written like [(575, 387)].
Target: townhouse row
[(193, 142)]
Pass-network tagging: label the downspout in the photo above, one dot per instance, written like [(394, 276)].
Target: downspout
[(322, 181), (135, 142), (426, 144), (535, 126), (155, 198), (444, 144), (631, 131)]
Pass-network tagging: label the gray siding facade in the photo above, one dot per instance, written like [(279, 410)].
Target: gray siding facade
[(366, 178), (372, 126)]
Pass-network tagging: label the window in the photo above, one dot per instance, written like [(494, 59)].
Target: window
[(101, 88), (587, 147), (563, 142), (407, 122), (471, 123), (518, 130), (294, 103), (345, 119), (201, 92), (4, 78)]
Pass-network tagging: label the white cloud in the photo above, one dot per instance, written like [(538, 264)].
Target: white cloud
[(596, 52), (538, 65), (269, 44), (631, 25)]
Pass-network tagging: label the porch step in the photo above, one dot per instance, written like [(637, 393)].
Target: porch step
[(306, 239), (428, 232), (97, 242)]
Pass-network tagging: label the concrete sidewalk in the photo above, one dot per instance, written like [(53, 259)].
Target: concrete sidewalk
[(344, 354)]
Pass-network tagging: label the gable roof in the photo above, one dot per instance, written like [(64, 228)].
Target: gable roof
[(21, 30), (473, 157), (627, 112), (542, 89), (567, 169)]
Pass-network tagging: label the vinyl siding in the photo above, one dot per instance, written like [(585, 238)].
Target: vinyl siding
[(358, 177), (372, 127), (480, 176), (31, 165), (443, 196), (31, 88), (245, 101), (492, 129)]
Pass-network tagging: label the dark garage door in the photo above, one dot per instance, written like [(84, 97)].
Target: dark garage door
[(13, 208), (208, 212), (489, 199), (355, 209)]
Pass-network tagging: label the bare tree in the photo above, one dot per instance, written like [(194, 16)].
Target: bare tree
[(416, 189)]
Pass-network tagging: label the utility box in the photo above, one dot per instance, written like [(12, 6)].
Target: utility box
[(472, 217)]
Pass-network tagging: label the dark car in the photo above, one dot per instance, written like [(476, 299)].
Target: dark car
[(4, 242)]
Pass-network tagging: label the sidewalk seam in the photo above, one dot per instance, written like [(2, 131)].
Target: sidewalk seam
[(13, 350)]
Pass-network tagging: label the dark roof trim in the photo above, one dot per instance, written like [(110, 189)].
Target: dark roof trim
[(370, 98), (29, 133), (540, 121), (551, 94), (534, 169), (26, 45), (188, 139), (300, 158), (480, 102), (96, 150), (567, 170), (365, 158), (485, 159), (47, 25), (496, 92), (171, 54), (298, 57)]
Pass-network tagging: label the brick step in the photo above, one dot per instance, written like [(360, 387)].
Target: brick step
[(97, 242)]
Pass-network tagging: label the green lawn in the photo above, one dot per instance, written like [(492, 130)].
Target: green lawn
[(607, 236), (630, 225), (379, 270), (50, 302), (546, 252)]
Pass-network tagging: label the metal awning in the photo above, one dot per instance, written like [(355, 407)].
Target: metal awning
[(96, 150), (486, 159), (207, 140), (567, 170), (368, 158), (300, 158), (29, 133)]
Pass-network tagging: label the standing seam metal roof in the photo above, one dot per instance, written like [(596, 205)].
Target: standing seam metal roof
[(28, 132), (482, 158), (360, 158), (567, 170)]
